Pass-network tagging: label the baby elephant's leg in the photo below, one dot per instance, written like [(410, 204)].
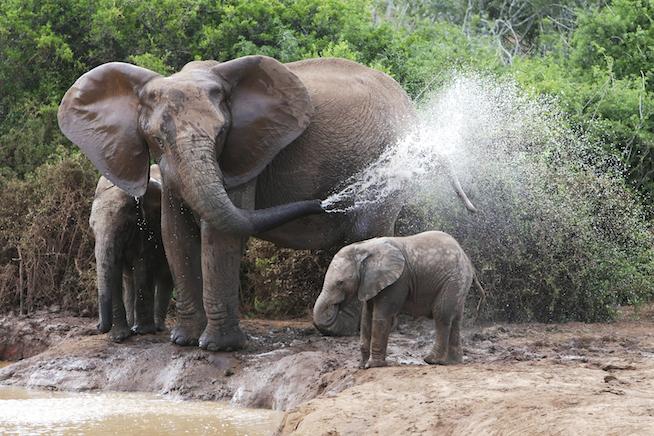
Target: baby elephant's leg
[(447, 312), (455, 355), (366, 327), (438, 354), (386, 306)]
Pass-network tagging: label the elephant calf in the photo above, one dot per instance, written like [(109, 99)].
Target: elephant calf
[(130, 261), (427, 274)]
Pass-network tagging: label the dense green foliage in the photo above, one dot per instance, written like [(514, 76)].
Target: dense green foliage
[(595, 57)]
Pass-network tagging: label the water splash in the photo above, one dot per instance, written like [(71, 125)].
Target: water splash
[(469, 111)]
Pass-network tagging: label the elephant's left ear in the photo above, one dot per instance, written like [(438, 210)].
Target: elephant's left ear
[(270, 108), (380, 265)]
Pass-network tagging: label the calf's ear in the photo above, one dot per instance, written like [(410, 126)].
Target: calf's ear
[(380, 265)]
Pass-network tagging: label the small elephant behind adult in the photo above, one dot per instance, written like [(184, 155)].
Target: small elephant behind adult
[(133, 278), (427, 274)]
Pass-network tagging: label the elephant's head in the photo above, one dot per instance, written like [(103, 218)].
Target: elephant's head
[(216, 126), (357, 272)]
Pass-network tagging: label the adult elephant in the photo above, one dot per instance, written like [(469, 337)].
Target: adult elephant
[(243, 147)]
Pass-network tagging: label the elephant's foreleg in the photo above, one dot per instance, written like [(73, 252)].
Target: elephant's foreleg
[(119, 329), (144, 298), (366, 329), (163, 292), (181, 238), (386, 306), (221, 260)]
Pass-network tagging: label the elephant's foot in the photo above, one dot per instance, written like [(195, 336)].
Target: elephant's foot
[(119, 334), (160, 325), (223, 340), (364, 360), (376, 363), (437, 359), (144, 329), (184, 334), (103, 327)]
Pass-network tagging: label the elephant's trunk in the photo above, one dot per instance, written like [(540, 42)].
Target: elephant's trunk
[(454, 181), (109, 278), (334, 315), (204, 191)]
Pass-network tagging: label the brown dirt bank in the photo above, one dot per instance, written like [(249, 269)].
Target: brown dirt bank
[(517, 379)]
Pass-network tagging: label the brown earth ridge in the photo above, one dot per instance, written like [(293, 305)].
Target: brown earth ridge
[(569, 378)]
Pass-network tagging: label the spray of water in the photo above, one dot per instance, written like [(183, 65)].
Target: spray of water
[(558, 235), (470, 111)]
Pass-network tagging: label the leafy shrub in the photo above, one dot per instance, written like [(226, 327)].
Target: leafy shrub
[(45, 234), (278, 282)]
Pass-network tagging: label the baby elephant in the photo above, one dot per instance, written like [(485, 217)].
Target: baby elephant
[(427, 274), (134, 282)]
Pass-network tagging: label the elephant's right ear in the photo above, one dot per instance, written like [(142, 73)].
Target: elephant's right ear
[(380, 265), (99, 113)]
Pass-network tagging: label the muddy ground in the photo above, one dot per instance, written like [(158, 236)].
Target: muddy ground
[(516, 379)]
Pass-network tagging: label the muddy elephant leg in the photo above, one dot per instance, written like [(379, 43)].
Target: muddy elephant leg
[(144, 300), (446, 309), (221, 261), (454, 353), (119, 329), (163, 292), (438, 354), (221, 266), (128, 296), (386, 305), (365, 331), (181, 238)]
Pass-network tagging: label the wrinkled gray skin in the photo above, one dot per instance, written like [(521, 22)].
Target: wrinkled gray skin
[(427, 274), (245, 148), (134, 282)]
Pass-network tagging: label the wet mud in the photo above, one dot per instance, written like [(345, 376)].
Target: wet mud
[(569, 378)]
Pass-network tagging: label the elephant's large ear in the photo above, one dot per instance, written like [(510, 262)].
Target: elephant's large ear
[(99, 113), (270, 108), (380, 265)]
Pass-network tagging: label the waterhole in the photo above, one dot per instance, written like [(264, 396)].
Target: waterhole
[(24, 411)]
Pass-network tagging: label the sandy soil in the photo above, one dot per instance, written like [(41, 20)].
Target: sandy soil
[(516, 379)]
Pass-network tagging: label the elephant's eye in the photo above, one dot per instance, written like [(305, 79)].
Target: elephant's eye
[(159, 142), (222, 131)]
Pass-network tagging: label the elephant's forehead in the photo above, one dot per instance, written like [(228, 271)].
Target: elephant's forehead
[(186, 84), (338, 264)]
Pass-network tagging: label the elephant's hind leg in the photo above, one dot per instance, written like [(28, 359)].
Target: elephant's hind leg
[(181, 238), (444, 311), (447, 311), (438, 354), (365, 331), (454, 354)]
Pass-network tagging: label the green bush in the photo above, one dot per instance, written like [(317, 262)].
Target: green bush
[(45, 234), (278, 282)]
